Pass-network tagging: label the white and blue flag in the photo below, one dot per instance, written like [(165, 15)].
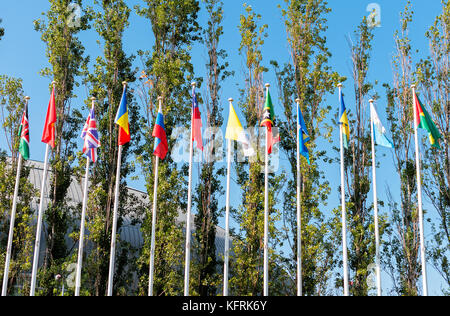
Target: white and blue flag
[(379, 132)]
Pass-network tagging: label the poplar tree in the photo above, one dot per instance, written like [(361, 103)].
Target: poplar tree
[(206, 260), (433, 75), (65, 55), (111, 19), (308, 78), (12, 105), (246, 265), (401, 248), (169, 71), (358, 165)]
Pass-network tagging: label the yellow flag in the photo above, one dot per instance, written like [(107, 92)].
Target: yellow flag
[(236, 132)]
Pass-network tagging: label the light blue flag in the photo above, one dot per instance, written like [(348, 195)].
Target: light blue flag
[(303, 135), (379, 132)]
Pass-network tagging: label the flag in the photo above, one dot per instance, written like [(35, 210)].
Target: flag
[(236, 132), (424, 121), (303, 136), (379, 132), (122, 120), (196, 122), (159, 132), (343, 119), (24, 133), (268, 122), (90, 136), (48, 135)]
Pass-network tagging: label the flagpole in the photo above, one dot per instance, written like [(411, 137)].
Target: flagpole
[(12, 222), (115, 217), (39, 222), (188, 214), (266, 213), (419, 197), (299, 211), (375, 206), (227, 219), (153, 238), (82, 224), (39, 225), (344, 220)]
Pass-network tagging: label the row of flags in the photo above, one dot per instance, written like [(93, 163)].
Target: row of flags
[(234, 132)]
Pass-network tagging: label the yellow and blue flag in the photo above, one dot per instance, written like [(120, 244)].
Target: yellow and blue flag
[(303, 136), (343, 120)]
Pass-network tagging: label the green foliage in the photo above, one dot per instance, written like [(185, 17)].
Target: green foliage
[(308, 78), (12, 104), (111, 69), (433, 76), (169, 72), (401, 248)]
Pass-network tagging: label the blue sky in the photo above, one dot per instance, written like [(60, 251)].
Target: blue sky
[(22, 54)]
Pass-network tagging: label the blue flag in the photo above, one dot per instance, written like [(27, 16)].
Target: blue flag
[(302, 135)]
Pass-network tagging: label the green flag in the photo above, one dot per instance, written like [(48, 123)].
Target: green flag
[(424, 121)]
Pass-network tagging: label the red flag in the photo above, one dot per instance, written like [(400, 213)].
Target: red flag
[(48, 136), (196, 122)]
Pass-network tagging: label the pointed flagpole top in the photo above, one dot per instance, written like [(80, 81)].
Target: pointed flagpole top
[(230, 100)]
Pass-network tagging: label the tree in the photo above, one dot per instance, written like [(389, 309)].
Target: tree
[(401, 248), (206, 259), (169, 72), (111, 69), (12, 103), (308, 78), (433, 75), (65, 55), (246, 265), (358, 166)]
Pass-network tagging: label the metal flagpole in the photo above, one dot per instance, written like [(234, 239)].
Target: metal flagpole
[(419, 197), (266, 213), (375, 205), (115, 217), (39, 222), (82, 225), (114, 227), (153, 240), (12, 222), (81, 241), (344, 219), (299, 210), (227, 220), (37, 245), (188, 214)]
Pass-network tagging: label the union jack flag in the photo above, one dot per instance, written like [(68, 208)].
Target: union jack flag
[(90, 136)]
